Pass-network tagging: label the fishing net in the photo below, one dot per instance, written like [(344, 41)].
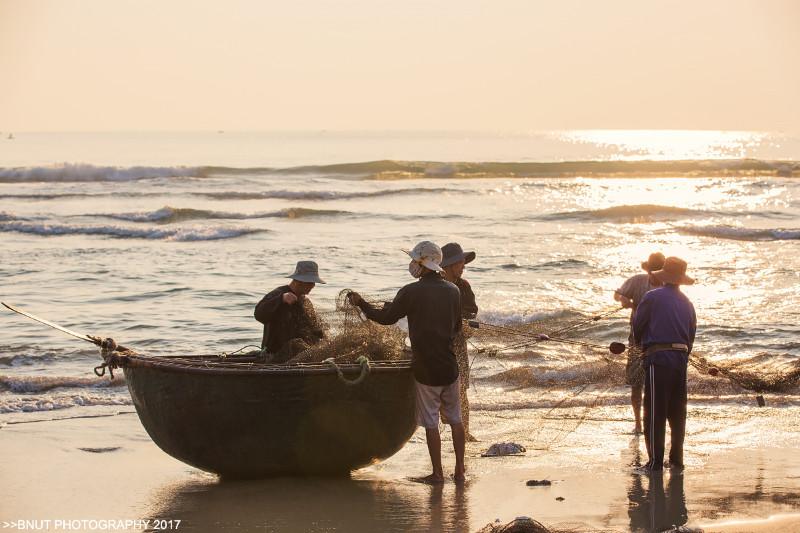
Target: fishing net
[(593, 363), (768, 377), (351, 335)]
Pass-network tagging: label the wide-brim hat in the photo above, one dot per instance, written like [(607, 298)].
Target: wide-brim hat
[(654, 262), (427, 254), (674, 272), (452, 253), (306, 271)]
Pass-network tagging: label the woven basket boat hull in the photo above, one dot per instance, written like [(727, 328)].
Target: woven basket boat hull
[(251, 421)]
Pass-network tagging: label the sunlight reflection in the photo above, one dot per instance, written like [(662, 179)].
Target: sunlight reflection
[(669, 144)]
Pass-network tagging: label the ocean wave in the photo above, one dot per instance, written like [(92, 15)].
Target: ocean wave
[(52, 402), (320, 195), (24, 359), (742, 234), (5, 216), (167, 214), (390, 169), (80, 172), (36, 384), (635, 213), (201, 233), (548, 265)]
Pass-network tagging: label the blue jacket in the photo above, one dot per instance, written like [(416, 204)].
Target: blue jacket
[(665, 316)]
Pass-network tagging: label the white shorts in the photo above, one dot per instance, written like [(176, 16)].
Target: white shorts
[(431, 399)]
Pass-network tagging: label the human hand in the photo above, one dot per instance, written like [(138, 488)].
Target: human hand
[(289, 298), (354, 298)]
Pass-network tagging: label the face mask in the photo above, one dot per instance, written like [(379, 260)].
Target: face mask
[(415, 269)]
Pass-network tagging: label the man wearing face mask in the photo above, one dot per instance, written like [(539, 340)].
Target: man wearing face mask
[(290, 322), (433, 308)]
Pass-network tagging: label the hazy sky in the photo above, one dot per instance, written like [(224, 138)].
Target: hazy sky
[(498, 65)]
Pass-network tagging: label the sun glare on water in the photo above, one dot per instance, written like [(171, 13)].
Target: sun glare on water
[(669, 144)]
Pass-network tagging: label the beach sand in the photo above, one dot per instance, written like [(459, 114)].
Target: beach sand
[(107, 468)]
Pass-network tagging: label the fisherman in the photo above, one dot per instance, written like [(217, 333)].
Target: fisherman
[(453, 261), (290, 322), (665, 324), (629, 295), (433, 308)]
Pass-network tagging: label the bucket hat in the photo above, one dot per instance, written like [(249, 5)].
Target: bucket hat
[(427, 254), (306, 271), (452, 253), (654, 262), (674, 272)]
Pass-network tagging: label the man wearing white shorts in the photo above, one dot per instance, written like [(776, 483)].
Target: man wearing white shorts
[(433, 308)]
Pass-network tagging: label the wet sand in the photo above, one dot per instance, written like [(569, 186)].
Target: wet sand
[(121, 475)]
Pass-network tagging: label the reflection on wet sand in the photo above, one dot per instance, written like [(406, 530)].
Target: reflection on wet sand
[(714, 494), (313, 504)]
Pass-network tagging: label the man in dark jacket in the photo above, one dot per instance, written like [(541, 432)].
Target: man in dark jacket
[(290, 322), (453, 262), (433, 308), (664, 325)]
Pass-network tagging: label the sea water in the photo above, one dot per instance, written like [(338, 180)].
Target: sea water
[(166, 241)]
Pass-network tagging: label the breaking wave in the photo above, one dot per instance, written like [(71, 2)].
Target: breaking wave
[(168, 214), (742, 234), (319, 195), (52, 402), (388, 169), (199, 233), (35, 384), (638, 212), (79, 172)]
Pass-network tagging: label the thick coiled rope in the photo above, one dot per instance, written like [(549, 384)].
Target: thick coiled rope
[(365, 369)]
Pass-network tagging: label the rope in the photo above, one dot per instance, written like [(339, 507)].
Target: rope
[(365, 369), (110, 359)]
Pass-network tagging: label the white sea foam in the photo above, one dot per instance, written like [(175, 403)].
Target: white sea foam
[(52, 402), (80, 172), (742, 234), (28, 384), (195, 233)]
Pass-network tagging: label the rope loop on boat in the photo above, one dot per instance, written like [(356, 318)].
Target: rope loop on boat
[(365, 369), (110, 359)]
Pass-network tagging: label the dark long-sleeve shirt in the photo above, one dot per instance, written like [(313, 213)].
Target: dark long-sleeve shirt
[(433, 308), (283, 322), (469, 308), (665, 316)]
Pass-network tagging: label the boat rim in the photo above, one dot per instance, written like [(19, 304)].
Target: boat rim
[(203, 364)]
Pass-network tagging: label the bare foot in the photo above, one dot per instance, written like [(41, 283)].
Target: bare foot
[(428, 480), (459, 478)]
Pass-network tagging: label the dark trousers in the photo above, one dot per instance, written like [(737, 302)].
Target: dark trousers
[(664, 399)]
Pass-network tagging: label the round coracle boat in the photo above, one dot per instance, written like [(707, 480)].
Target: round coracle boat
[(242, 419)]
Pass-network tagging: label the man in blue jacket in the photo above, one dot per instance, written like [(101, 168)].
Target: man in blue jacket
[(664, 325)]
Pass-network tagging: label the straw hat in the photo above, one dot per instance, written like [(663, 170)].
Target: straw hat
[(306, 271), (674, 272), (654, 262), (427, 254)]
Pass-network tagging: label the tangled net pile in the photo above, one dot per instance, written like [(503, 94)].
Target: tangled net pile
[(351, 335)]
